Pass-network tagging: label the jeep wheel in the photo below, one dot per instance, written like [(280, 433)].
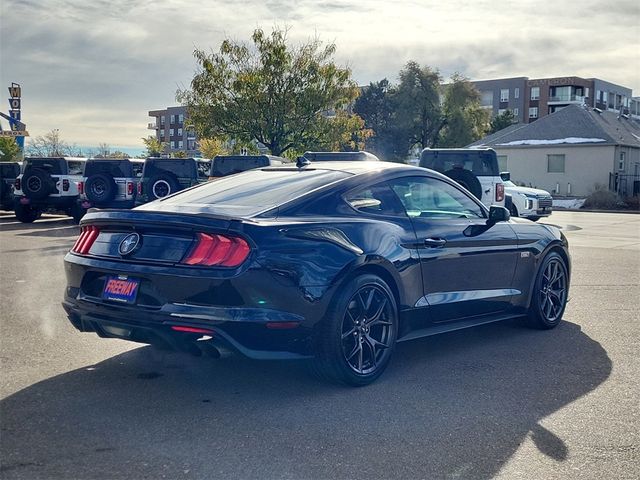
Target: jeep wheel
[(37, 184), (513, 210), (163, 185), (77, 212), (100, 188), (467, 179), (26, 213)]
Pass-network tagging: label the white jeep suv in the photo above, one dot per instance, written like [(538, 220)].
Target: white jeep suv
[(476, 169)]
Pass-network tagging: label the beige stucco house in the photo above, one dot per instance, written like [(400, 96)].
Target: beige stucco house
[(572, 151)]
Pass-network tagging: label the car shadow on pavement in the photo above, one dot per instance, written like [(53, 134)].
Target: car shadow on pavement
[(45, 224), (456, 405)]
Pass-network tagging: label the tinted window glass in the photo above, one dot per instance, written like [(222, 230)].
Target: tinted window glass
[(433, 198), (75, 167), (180, 168), (117, 168), (56, 166), (377, 199), (204, 170), (480, 163), (9, 170), (254, 191), (228, 165)]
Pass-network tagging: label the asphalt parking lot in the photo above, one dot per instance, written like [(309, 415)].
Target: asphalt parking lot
[(498, 401)]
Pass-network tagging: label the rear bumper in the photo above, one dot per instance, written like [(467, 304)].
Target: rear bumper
[(120, 204), (243, 330), (61, 203)]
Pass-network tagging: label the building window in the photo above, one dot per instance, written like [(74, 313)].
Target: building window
[(501, 111), (535, 93), (502, 163), (516, 112), (555, 163), (181, 118), (179, 132), (533, 112), (162, 120), (622, 161), (516, 92), (487, 99), (504, 94), (179, 143)]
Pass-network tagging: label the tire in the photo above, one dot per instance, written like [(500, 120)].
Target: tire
[(100, 188), (26, 213), (162, 185), (513, 210), (467, 179), (37, 184), (356, 339), (550, 293)]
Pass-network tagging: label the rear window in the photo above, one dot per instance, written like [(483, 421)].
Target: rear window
[(55, 166), (117, 168), (251, 192), (185, 168), (9, 170), (479, 162)]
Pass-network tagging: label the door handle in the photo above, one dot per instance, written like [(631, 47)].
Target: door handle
[(435, 242)]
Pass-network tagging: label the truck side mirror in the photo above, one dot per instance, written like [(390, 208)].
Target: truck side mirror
[(505, 176)]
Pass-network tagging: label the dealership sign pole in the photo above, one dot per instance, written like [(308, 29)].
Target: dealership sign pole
[(18, 129)]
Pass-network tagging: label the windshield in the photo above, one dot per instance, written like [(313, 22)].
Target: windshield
[(250, 192)]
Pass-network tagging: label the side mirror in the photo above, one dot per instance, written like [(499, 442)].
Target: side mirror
[(498, 214), (505, 176)]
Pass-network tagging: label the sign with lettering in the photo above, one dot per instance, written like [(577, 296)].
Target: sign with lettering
[(14, 133)]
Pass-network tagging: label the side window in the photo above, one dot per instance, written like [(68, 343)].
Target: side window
[(432, 198), (376, 199), (75, 168)]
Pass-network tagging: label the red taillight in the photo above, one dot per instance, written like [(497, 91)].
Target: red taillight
[(65, 185), (80, 188), (139, 188), (499, 192), (16, 184), (179, 328), (129, 188), (218, 250), (87, 236)]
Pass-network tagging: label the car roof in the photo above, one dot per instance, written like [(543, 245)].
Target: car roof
[(354, 167)]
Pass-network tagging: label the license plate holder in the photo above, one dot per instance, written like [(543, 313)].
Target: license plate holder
[(121, 288)]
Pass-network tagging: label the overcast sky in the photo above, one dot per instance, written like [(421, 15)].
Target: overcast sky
[(94, 68)]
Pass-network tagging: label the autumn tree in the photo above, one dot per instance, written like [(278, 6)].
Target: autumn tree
[(155, 147), (272, 92), (464, 120), (212, 147), (502, 120), (9, 150)]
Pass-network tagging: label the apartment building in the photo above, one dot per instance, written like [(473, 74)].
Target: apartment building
[(169, 127), (530, 99)]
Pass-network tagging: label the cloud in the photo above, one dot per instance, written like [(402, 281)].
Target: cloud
[(94, 69)]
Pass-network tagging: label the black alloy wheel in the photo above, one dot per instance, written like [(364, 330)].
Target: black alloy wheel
[(551, 292), (359, 334), (37, 184)]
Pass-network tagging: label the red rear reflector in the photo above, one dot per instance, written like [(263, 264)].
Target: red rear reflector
[(499, 192), (87, 236), (80, 188), (191, 329), (281, 325), (129, 188), (218, 250), (139, 188)]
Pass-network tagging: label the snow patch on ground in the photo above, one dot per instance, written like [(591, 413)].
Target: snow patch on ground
[(553, 142), (571, 203)]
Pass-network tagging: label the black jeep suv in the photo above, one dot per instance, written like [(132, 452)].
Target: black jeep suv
[(164, 176), (9, 171)]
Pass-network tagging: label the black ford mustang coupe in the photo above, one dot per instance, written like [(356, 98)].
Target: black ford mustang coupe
[(333, 261)]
